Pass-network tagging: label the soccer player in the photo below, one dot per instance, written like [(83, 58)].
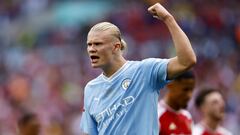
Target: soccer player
[(123, 99), (173, 116), (211, 104)]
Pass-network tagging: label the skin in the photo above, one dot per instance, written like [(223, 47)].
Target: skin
[(104, 49), (31, 128), (185, 58), (213, 110), (182, 91), (107, 48)]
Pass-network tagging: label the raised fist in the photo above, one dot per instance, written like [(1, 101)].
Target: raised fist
[(159, 12)]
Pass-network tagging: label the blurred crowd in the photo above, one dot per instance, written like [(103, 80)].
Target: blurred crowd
[(44, 65)]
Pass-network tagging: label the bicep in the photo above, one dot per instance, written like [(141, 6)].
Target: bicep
[(175, 68)]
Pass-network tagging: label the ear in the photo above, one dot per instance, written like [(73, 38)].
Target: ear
[(117, 47)]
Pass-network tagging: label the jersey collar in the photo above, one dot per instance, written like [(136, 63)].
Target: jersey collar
[(117, 73)]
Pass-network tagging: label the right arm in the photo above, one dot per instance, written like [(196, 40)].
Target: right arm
[(88, 125), (186, 57)]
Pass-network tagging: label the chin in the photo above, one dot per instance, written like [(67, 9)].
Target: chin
[(95, 65)]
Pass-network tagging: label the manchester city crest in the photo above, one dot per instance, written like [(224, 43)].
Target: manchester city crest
[(126, 83)]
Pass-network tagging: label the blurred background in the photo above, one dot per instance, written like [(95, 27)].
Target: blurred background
[(44, 66)]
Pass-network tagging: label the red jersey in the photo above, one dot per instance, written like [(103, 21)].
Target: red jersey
[(199, 129), (173, 122)]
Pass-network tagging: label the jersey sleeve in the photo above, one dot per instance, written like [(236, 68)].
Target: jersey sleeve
[(88, 125), (156, 70)]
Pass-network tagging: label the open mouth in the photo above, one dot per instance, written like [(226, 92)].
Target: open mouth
[(94, 58)]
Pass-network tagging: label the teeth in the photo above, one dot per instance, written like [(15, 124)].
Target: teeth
[(94, 59)]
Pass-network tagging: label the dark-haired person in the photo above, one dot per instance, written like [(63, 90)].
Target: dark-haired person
[(212, 107), (173, 116), (29, 124)]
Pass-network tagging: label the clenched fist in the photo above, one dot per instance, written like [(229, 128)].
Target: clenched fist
[(159, 12)]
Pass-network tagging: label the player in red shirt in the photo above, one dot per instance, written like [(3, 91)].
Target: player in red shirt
[(211, 104), (173, 116)]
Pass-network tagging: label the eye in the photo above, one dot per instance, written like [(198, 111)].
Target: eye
[(97, 43), (188, 89), (89, 44), (94, 44)]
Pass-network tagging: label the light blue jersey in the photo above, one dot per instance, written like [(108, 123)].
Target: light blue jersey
[(125, 103)]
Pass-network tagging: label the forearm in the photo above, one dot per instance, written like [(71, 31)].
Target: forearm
[(185, 58), (185, 54)]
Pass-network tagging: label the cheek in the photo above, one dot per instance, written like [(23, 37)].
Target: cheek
[(214, 108), (106, 53), (208, 108), (183, 95)]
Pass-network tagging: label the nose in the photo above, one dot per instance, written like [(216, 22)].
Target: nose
[(91, 49)]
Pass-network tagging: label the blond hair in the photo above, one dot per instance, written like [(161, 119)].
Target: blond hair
[(103, 26)]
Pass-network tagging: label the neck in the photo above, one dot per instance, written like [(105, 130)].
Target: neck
[(210, 123), (170, 103), (110, 69)]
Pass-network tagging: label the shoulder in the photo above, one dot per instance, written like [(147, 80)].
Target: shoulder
[(157, 65), (153, 60), (92, 85), (198, 129), (224, 131), (186, 113), (149, 63), (94, 82), (161, 109)]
